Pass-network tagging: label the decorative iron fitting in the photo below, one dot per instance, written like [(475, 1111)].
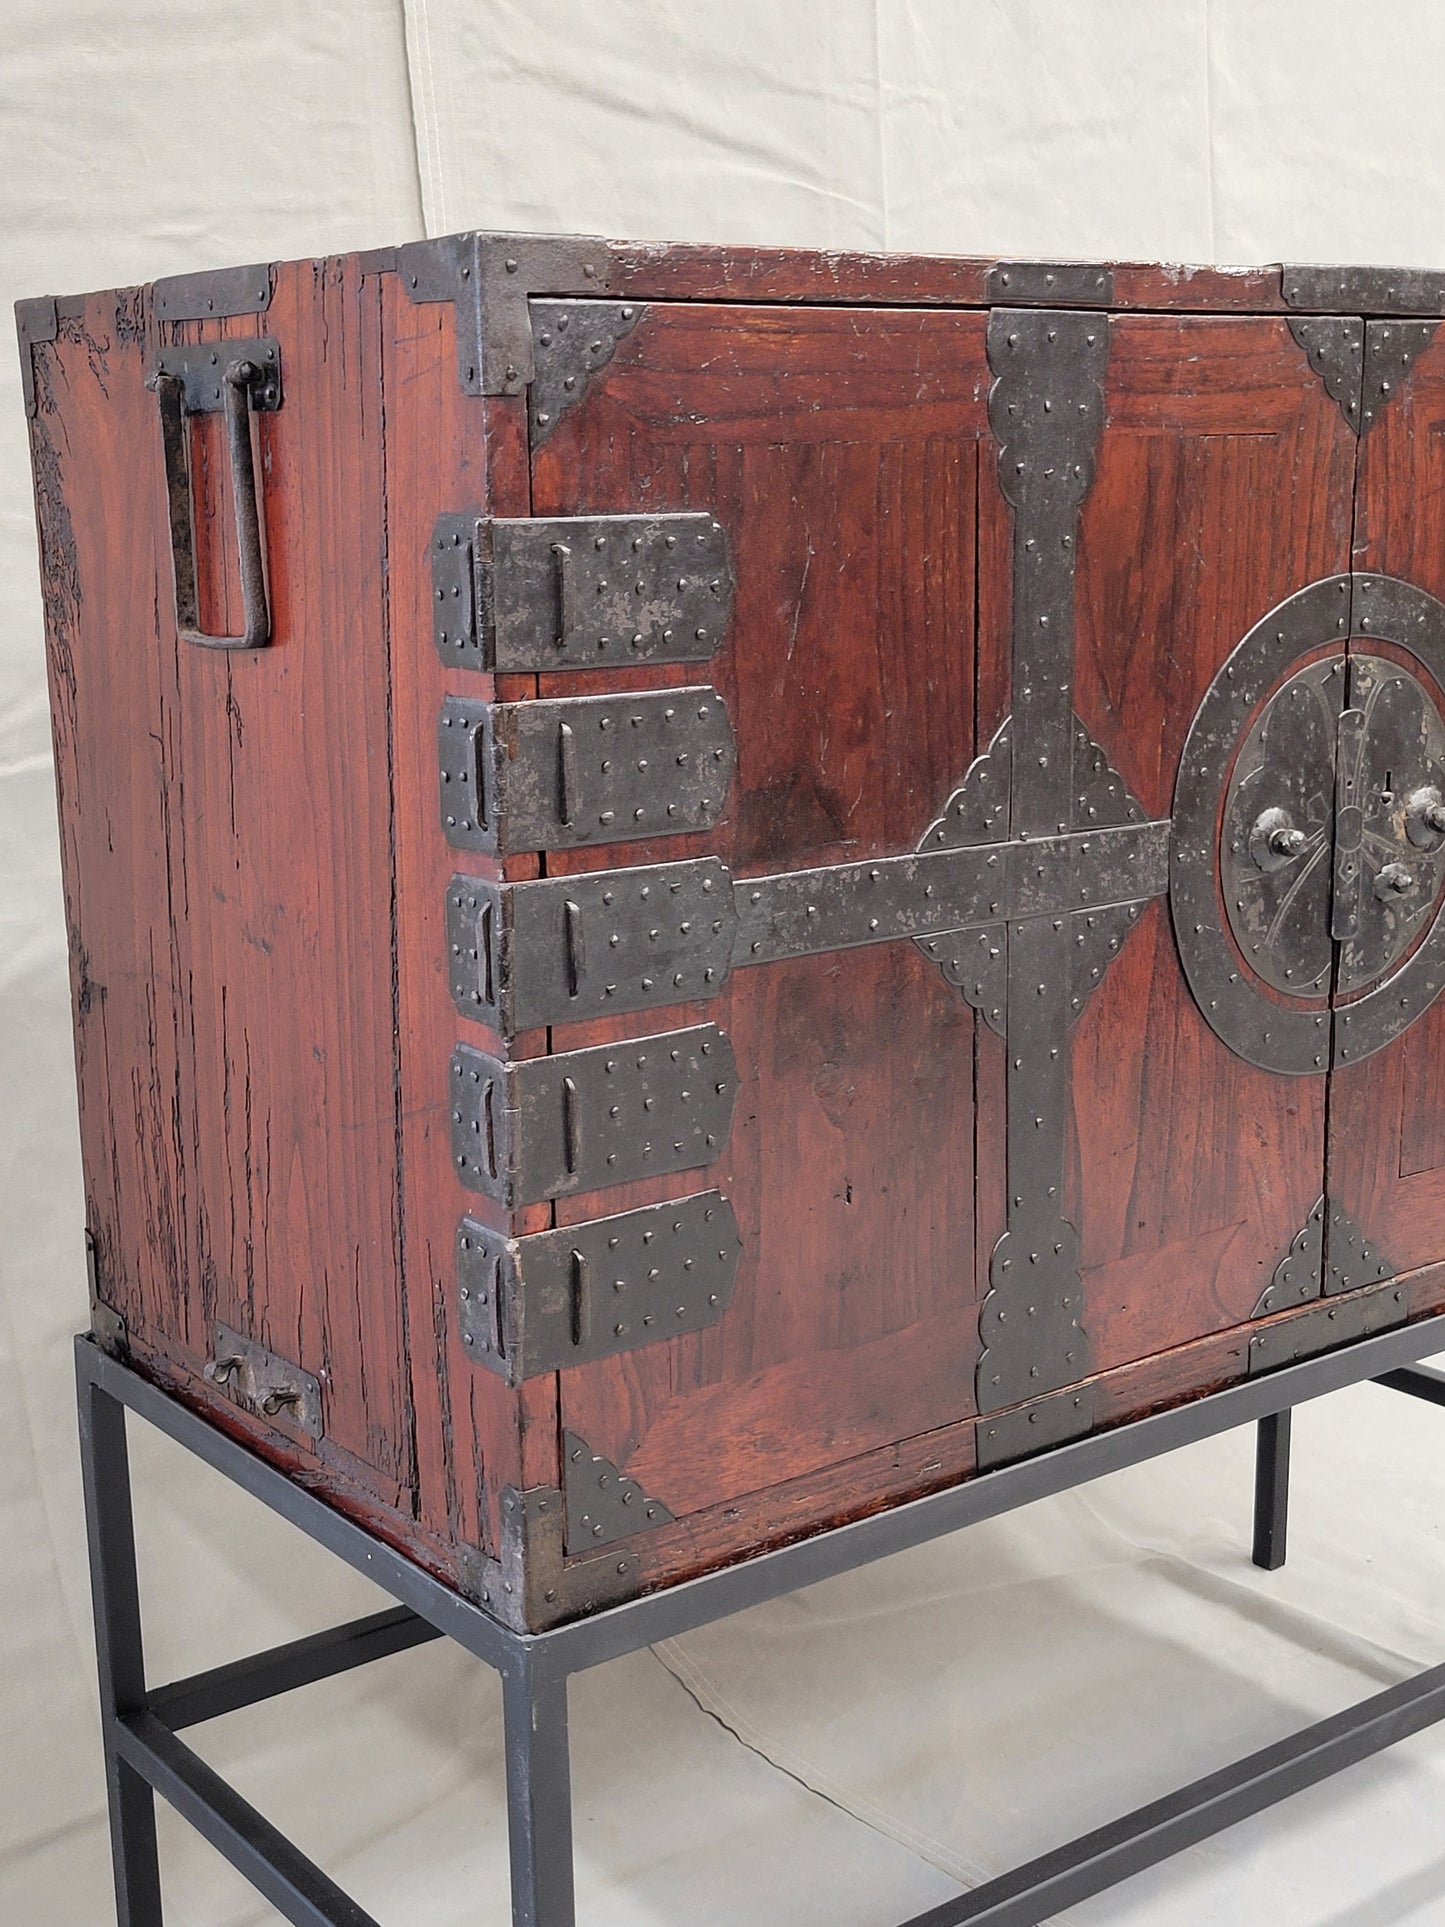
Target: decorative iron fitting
[(36, 320), (580, 770), (602, 1504), (490, 278), (1351, 1260), (265, 1383), (579, 592), (552, 950), (1046, 409), (1335, 348), (1335, 1321), (1005, 1436), (571, 341), (213, 295), (539, 1303), (1364, 291), (542, 1127), (201, 372), (1391, 350), (531, 1585), (1051, 284), (1299, 1273)]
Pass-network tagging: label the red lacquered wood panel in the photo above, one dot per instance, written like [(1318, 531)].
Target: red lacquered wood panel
[(1224, 484), (839, 451)]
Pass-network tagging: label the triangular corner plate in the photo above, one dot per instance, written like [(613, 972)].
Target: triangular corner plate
[(1298, 1274), (602, 1504), (1351, 1259)]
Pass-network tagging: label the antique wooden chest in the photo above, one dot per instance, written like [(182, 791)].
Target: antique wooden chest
[(711, 889)]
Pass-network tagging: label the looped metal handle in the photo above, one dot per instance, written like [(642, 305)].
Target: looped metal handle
[(179, 397)]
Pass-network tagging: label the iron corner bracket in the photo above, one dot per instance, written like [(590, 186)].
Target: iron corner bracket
[(36, 320), (531, 1586), (489, 278)]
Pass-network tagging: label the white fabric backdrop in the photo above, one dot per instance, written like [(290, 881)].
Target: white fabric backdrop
[(846, 1755)]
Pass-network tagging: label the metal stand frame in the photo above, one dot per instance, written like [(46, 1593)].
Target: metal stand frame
[(140, 1724)]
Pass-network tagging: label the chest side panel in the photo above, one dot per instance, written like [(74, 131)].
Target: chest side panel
[(840, 453), (235, 942)]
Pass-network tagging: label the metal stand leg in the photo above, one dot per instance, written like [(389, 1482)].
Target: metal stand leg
[(1271, 1491), (539, 1793), (105, 1468)]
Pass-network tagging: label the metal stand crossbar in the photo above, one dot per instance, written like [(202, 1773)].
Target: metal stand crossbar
[(140, 1724)]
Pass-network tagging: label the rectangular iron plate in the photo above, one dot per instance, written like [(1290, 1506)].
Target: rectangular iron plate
[(213, 294), (1333, 1323), (579, 592), (1051, 284), (546, 1126), (202, 372), (1026, 1429), (1363, 291), (260, 1381), (563, 773), (550, 1299)]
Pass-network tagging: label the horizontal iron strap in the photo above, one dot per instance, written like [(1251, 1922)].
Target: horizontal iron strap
[(294, 1885), (301, 1662), (1165, 1827), (801, 912)]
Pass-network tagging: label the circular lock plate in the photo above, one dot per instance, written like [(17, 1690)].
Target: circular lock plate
[(1292, 879)]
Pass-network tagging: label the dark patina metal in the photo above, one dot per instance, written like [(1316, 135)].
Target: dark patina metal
[(1050, 284), (264, 1382), (579, 592), (36, 319), (542, 1127), (238, 377), (1046, 409), (489, 278), (1351, 1260), (550, 1299), (1335, 345), (1337, 1321), (571, 341), (213, 294), (579, 770), (1018, 1434), (602, 1504), (1363, 291), (1391, 351), (1298, 1277)]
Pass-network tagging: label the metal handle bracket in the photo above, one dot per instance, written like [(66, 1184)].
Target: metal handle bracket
[(235, 378)]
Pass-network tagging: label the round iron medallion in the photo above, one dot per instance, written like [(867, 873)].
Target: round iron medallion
[(1308, 858)]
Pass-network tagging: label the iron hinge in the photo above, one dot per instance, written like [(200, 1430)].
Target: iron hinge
[(562, 774), (214, 294), (550, 1299), (489, 278), (546, 1126), (36, 320), (579, 592), (264, 1383)]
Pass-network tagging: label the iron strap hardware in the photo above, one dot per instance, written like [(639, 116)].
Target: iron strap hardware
[(545, 1126), (1335, 1321), (234, 377), (36, 320), (561, 774), (579, 592), (264, 1383), (550, 1299), (1364, 291), (554, 950), (1076, 284), (213, 294)]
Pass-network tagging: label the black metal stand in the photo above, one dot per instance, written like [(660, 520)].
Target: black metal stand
[(140, 1724)]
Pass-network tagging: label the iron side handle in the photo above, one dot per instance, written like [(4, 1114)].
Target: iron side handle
[(193, 381)]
